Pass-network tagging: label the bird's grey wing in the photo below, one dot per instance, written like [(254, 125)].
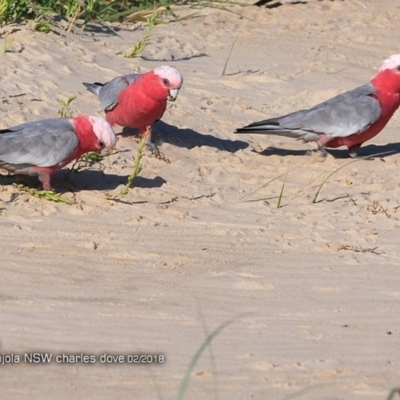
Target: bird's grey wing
[(43, 143), (110, 91), (131, 77), (343, 115)]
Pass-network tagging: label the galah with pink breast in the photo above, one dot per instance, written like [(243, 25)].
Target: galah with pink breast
[(45, 146), (349, 119)]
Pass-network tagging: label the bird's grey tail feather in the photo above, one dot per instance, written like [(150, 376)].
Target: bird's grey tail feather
[(93, 87), (268, 130)]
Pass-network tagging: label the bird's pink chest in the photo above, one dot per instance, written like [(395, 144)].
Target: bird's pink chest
[(389, 103), (135, 109)]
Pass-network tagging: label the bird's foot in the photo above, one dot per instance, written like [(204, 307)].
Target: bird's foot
[(155, 151), (45, 179), (353, 150), (353, 154), (320, 151), (147, 132)]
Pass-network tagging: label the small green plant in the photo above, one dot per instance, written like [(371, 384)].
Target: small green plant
[(45, 194), (74, 10), (101, 11), (88, 160), (7, 43), (12, 10), (141, 45), (65, 111), (43, 26), (137, 168)]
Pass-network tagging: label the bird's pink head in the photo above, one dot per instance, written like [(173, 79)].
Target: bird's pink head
[(388, 76), (104, 133), (170, 79), (392, 62)]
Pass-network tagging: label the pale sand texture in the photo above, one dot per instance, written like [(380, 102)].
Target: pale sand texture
[(318, 284)]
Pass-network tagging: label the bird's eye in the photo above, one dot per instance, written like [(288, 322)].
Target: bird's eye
[(102, 145), (398, 68), (166, 82)]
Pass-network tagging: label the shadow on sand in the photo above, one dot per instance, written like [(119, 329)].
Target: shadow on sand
[(381, 151), (188, 138), (83, 180)]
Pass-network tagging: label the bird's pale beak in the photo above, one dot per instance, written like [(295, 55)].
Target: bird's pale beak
[(173, 94)]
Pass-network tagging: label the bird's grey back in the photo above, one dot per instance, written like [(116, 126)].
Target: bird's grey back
[(345, 114), (109, 92), (42, 143)]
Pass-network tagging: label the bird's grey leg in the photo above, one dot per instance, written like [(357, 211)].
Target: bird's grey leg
[(152, 146), (45, 179), (149, 144), (353, 150), (322, 150)]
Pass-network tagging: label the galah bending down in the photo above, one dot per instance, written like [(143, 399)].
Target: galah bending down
[(45, 146), (349, 119), (138, 100)]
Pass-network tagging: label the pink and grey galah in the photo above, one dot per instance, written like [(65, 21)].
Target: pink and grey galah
[(138, 100), (45, 146), (349, 119)]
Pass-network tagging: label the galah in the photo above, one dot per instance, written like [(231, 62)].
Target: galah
[(349, 119), (138, 100), (45, 146)]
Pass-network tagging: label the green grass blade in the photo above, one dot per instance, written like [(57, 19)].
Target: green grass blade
[(199, 352), (341, 167), (393, 392), (211, 354), (272, 180), (279, 205), (137, 168), (264, 185), (229, 55)]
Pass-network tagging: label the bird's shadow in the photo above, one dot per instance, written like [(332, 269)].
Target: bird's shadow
[(276, 4), (174, 59), (86, 180), (370, 150), (189, 138)]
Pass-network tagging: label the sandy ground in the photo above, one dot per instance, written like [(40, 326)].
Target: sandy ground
[(313, 288)]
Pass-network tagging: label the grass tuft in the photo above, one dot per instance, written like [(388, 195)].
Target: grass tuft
[(96, 11), (7, 43), (141, 45), (43, 26)]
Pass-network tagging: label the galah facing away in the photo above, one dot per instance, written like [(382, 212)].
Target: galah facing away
[(138, 100), (349, 119), (45, 146)]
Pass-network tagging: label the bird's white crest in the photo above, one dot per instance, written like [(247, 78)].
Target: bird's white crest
[(102, 129), (391, 62), (172, 74)]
